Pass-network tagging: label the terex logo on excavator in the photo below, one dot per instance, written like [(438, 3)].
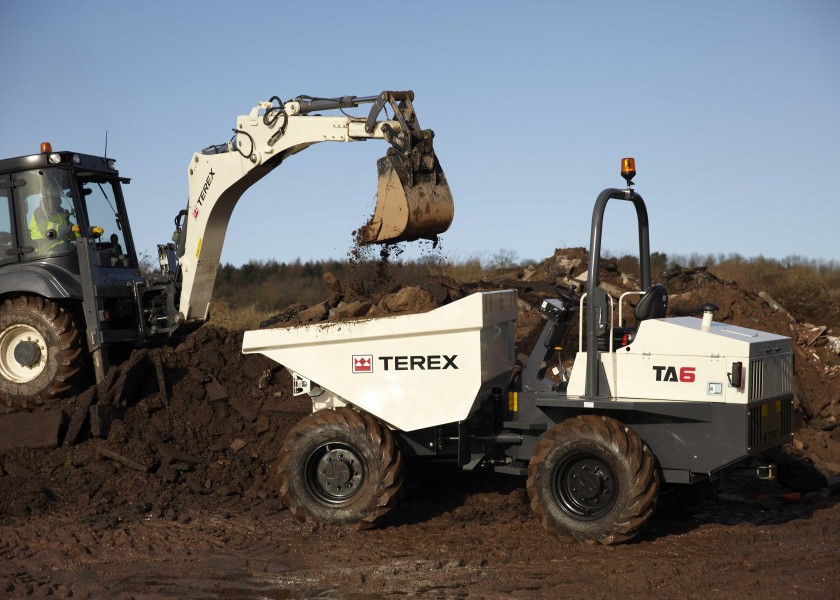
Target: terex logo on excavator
[(206, 187), (686, 374)]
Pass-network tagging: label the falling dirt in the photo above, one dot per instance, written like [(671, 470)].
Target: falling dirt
[(163, 485)]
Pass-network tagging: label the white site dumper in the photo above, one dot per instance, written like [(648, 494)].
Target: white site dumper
[(650, 413), (411, 371)]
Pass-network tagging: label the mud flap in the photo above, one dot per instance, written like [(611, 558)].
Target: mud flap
[(410, 203)]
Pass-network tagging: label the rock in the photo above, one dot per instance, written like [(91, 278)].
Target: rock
[(101, 415), (161, 379), (123, 460), (823, 424), (774, 305), (314, 313), (248, 414), (408, 300), (529, 272), (215, 391), (262, 425), (129, 384), (333, 285), (264, 380), (350, 310), (286, 316), (811, 404), (629, 281), (79, 416), (808, 333), (438, 291), (565, 265), (30, 430), (614, 291)]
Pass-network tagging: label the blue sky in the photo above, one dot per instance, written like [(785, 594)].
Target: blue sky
[(730, 109)]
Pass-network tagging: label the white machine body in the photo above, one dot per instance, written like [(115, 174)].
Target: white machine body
[(410, 371), (676, 359)]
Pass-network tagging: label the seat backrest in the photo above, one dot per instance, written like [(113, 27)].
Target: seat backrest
[(653, 305)]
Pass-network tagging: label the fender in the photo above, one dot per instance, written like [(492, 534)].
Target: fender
[(47, 280)]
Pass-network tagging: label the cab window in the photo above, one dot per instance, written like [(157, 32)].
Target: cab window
[(6, 229), (103, 218), (47, 218)]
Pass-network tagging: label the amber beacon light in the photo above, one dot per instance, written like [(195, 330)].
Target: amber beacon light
[(628, 169)]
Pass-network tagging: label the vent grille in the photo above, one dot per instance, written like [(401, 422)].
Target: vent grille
[(770, 376), (769, 421)]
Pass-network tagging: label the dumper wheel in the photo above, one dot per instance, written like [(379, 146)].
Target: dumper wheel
[(341, 467), (591, 479), (40, 351)]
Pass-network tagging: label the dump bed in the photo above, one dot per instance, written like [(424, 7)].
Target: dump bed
[(410, 371)]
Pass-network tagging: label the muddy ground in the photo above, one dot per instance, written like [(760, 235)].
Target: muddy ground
[(160, 483)]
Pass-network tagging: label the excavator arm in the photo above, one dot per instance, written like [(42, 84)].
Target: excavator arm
[(413, 199)]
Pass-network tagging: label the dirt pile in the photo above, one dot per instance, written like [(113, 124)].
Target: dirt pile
[(166, 429), (201, 420), (171, 459)]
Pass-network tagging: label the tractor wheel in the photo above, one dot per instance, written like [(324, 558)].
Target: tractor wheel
[(591, 479), (340, 467), (40, 351)]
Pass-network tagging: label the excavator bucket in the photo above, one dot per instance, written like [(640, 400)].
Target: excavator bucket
[(412, 202)]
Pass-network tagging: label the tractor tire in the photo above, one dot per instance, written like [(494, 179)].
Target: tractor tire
[(40, 351), (592, 480), (340, 467)]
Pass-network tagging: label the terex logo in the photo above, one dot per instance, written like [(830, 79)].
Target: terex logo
[(432, 362), (686, 374), (363, 363), (205, 187)]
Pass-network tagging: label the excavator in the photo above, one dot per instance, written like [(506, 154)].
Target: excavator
[(73, 300)]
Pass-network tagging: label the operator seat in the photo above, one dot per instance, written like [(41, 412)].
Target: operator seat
[(653, 305)]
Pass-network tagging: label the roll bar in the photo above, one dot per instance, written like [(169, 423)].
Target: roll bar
[(597, 315)]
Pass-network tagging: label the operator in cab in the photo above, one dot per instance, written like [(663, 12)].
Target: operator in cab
[(51, 225)]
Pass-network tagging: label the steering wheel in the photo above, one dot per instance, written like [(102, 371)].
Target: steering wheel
[(567, 294)]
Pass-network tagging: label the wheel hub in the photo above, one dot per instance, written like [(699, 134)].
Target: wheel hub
[(23, 353), (586, 487), (339, 473), (27, 353)]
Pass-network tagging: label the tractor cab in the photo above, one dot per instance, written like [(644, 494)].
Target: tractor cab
[(70, 280), (51, 200)]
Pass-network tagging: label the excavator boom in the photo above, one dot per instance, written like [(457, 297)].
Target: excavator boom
[(413, 199)]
